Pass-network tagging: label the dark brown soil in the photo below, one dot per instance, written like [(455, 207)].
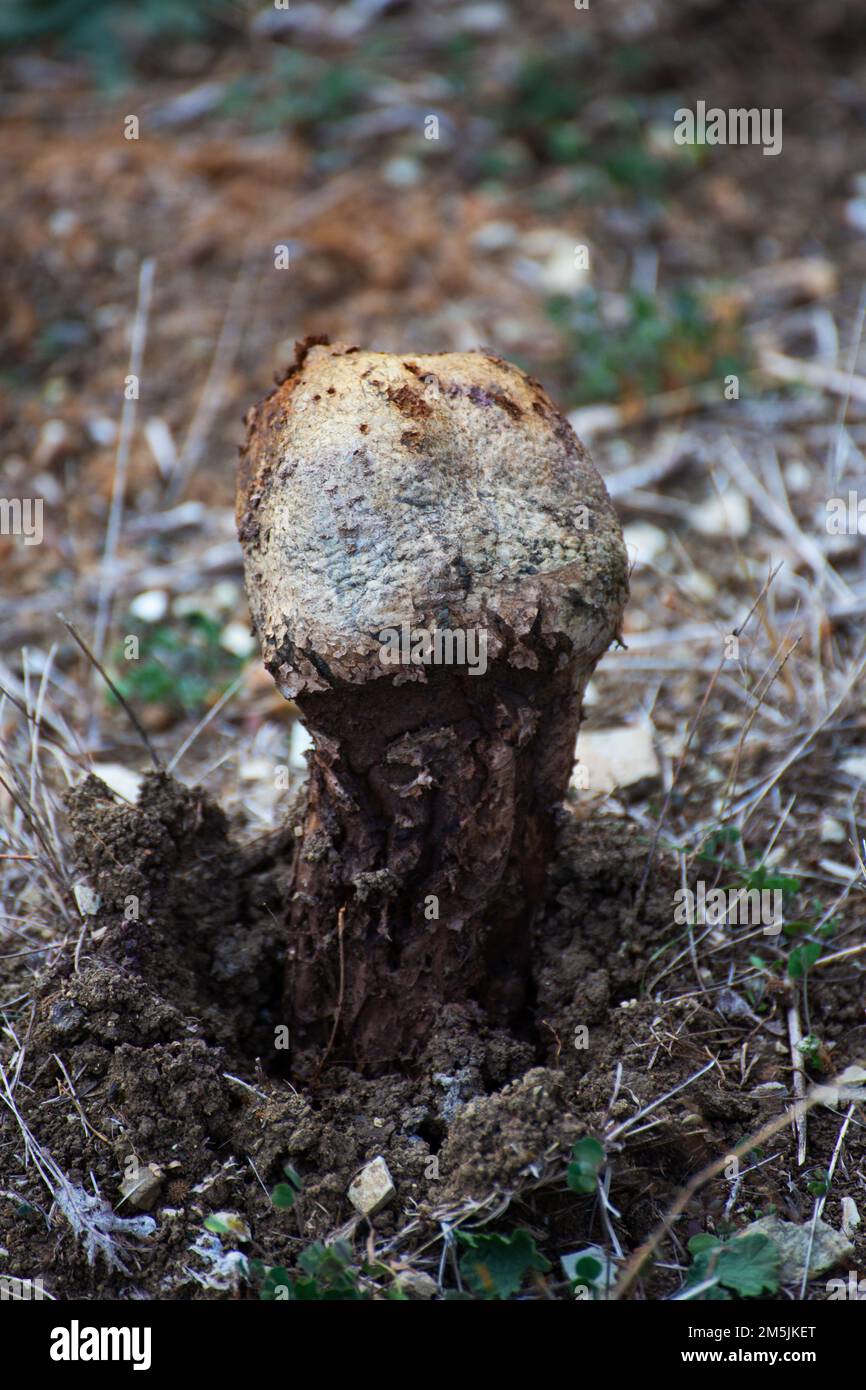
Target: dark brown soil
[(166, 1032)]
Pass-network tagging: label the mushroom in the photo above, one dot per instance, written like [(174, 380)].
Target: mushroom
[(434, 569)]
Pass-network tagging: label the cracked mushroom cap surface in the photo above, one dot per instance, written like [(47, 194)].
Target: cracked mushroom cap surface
[(439, 490)]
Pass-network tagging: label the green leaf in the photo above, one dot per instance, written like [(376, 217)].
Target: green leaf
[(748, 1265), (819, 1183), (802, 958), (716, 840), (217, 1226), (582, 1174), (276, 1278), (283, 1196), (699, 1243), (762, 879), (495, 1266)]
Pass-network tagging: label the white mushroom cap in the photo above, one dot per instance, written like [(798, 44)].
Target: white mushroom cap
[(436, 490)]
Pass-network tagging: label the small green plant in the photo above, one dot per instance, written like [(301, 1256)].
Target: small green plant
[(329, 1276), (492, 1266), (587, 1160), (802, 958), (746, 1265), (496, 1266), (544, 108), (589, 1271), (712, 849), (818, 1182), (814, 1053), (761, 879), (298, 89), (107, 32), (180, 664), (285, 1193), (641, 344)]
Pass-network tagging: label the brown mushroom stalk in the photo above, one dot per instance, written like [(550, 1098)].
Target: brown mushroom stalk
[(434, 569)]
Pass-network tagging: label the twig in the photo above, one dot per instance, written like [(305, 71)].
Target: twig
[(778, 515), (88, 1127), (783, 368), (76, 637), (737, 632), (832, 474), (820, 1202), (798, 1115), (121, 461), (214, 387), (839, 955), (752, 803), (654, 1104), (341, 918), (203, 723)]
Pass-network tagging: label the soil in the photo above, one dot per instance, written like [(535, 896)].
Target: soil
[(166, 1031)]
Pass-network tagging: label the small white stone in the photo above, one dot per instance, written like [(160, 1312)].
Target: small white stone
[(299, 743), (728, 515), (237, 639), (855, 766), (850, 1217), (486, 17), (88, 901), (644, 542), (256, 769), (611, 758), (142, 1189), (401, 171), (855, 214), (837, 870), (832, 831), (226, 593), (53, 439), (494, 236), (150, 606), (120, 779), (702, 586), (46, 486), (63, 222), (372, 1189), (798, 476), (416, 1284), (161, 443), (549, 261)]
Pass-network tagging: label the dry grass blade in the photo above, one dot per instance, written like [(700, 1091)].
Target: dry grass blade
[(130, 712)]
